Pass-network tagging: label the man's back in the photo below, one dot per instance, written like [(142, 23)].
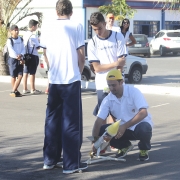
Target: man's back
[(62, 40)]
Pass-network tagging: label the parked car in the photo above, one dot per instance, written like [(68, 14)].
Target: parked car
[(166, 41), (134, 68), (141, 46)]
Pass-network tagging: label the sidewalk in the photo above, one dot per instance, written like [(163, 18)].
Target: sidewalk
[(146, 89)]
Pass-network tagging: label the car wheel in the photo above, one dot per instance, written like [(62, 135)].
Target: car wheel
[(151, 50), (147, 55), (135, 75), (162, 53), (85, 76)]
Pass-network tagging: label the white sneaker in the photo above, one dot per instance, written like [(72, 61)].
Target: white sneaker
[(36, 92), (26, 91), (83, 166), (59, 164), (46, 167)]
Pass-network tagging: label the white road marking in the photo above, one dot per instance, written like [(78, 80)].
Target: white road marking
[(5, 91), (88, 97), (89, 93), (159, 105)]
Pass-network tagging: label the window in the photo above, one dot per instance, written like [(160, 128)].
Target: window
[(149, 28)]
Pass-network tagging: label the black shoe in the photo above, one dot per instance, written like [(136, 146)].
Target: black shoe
[(83, 166), (143, 155), (18, 94)]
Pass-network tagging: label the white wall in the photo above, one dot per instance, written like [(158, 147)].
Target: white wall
[(47, 7), (172, 15)]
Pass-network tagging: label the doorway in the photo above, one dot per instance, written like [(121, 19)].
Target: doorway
[(145, 29)]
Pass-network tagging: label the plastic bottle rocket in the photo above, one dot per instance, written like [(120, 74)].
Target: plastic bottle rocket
[(111, 131)]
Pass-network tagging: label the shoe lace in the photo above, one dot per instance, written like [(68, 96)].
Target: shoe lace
[(143, 152)]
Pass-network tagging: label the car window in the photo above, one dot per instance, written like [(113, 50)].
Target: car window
[(173, 34), (161, 34), (140, 38)]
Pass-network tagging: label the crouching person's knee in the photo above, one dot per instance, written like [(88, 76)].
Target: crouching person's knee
[(143, 131)]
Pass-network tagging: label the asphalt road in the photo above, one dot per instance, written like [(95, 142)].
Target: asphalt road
[(163, 71), (22, 134)]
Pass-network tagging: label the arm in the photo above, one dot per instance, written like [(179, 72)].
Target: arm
[(133, 40), (136, 119), (81, 58), (10, 48), (105, 67), (45, 57), (96, 128)]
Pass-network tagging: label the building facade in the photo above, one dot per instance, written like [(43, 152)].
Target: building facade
[(148, 19)]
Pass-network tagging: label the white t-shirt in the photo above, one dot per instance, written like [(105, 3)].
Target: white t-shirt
[(62, 38), (17, 48), (105, 51), (33, 42), (125, 108), (114, 28)]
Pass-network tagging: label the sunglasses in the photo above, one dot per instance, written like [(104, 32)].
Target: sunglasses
[(125, 22), (111, 18)]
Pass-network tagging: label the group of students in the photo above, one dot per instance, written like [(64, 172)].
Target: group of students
[(17, 47), (107, 50)]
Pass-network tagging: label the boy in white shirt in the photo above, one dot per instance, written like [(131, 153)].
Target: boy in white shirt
[(15, 61), (32, 45), (64, 43), (106, 51)]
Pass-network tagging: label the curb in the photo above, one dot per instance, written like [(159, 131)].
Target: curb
[(146, 89)]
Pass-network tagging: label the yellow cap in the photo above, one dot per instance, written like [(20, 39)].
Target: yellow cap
[(114, 75), (113, 128)]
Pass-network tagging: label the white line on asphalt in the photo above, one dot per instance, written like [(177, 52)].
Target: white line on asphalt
[(88, 97), (89, 93), (159, 105), (5, 91)]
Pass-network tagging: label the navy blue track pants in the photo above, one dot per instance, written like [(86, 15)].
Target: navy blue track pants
[(63, 125)]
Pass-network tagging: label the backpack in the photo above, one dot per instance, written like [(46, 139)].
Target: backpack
[(6, 52)]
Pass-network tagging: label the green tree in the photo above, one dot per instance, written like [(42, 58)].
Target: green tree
[(119, 8), (169, 4)]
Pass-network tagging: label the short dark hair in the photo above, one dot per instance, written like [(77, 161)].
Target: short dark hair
[(96, 18), (32, 23), (64, 7)]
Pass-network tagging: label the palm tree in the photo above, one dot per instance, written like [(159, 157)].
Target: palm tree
[(8, 15)]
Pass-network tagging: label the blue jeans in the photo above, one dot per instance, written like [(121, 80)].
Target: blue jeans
[(142, 132)]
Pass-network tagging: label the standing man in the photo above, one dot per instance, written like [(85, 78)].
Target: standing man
[(128, 104), (110, 23), (32, 45), (106, 51), (66, 56)]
